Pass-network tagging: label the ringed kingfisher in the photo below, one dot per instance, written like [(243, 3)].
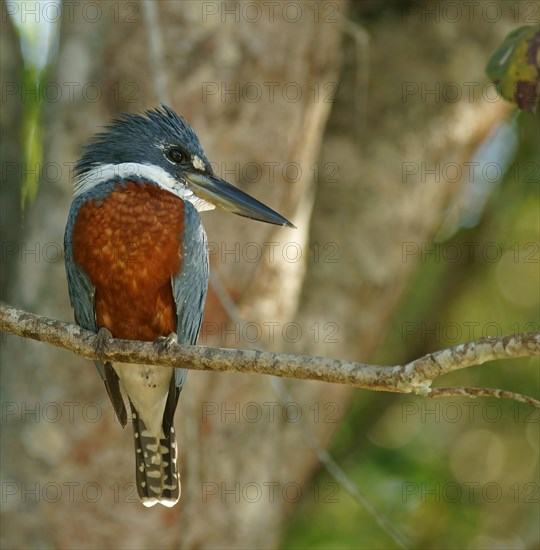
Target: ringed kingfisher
[(136, 259)]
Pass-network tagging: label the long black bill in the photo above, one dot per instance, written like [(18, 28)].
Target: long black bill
[(227, 197)]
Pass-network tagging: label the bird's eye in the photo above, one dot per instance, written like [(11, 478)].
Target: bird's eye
[(175, 155)]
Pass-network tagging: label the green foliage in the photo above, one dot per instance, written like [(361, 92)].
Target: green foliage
[(32, 141), (515, 67)]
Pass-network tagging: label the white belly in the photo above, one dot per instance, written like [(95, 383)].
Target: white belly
[(147, 386)]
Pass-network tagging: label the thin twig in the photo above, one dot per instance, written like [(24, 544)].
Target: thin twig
[(337, 472), (484, 392)]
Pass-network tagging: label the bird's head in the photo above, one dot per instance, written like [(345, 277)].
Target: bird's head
[(161, 147)]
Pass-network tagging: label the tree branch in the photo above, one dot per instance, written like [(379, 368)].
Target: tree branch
[(415, 377)]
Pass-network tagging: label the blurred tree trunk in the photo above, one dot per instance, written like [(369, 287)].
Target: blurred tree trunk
[(209, 60), (340, 294)]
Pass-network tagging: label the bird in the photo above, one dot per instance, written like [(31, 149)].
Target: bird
[(136, 259)]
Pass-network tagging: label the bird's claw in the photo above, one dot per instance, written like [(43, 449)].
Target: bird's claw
[(164, 343)]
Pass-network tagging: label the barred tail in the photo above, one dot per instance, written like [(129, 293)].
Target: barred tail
[(156, 473)]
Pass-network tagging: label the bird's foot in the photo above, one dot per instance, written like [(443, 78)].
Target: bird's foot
[(102, 338), (164, 343)]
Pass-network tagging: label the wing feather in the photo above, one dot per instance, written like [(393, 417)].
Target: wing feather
[(189, 291)]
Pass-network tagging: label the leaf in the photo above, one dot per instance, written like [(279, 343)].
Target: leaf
[(514, 68), (32, 141), (38, 34)]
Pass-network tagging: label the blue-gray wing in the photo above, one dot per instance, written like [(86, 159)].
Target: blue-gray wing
[(191, 284), (81, 290)]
